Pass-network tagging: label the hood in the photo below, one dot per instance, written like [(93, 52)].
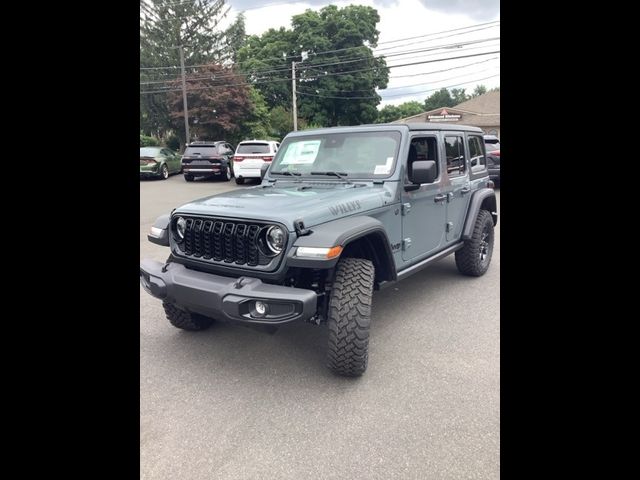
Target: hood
[(287, 201)]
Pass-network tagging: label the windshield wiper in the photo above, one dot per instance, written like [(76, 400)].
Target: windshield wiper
[(335, 174), (284, 172)]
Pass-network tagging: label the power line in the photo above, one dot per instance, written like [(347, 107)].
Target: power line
[(286, 69), (341, 49), (312, 80), (312, 68), (416, 84), (397, 95), (287, 79)]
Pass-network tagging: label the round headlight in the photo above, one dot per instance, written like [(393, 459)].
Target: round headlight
[(275, 239), (181, 227)]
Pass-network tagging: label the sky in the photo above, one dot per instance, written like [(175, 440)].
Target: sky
[(400, 19)]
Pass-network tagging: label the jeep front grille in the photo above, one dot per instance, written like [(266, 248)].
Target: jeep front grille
[(223, 241)]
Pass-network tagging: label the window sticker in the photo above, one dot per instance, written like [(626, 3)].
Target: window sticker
[(384, 169), (301, 153)]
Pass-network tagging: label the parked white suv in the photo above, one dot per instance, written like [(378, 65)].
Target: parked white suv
[(250, 156)]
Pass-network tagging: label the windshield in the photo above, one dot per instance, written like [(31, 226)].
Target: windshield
[(149, 151), (253, 148), (356, 154), (207, 151), (492, 147)]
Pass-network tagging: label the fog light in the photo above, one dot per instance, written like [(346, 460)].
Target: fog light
[(261, 308)]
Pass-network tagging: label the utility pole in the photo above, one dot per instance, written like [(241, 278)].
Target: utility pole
[(293, 88), (184, 97)]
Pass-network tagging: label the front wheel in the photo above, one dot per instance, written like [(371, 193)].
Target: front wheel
[(228, 173), (239, 181), (474, 257), (349, 316), (188, 178), (185, 320)]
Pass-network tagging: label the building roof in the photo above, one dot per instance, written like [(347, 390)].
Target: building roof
[(486, 103), (482, 111)]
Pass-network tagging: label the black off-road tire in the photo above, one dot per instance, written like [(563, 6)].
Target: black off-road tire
[(349, 316), (188, 178), (239, 181), (185, 320), (475, 257)]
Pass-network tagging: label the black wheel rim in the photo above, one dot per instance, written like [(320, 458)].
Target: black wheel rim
[(485, 245)]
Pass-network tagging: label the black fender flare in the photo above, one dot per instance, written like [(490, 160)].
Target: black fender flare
[(486, 196), (161, 223), (343, 232)]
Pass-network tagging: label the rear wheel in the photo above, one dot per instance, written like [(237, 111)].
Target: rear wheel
[(474, 258), (349, 316), (164, 172), (228, 173)]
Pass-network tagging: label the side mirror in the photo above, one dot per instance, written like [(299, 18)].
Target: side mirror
[(424, 171), (263, 170)]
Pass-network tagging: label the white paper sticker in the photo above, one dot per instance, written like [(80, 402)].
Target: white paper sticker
[(381, 170), (301, 153), (384, 169)]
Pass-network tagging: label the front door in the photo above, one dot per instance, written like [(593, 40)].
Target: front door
[(423, 209), (458, 189)]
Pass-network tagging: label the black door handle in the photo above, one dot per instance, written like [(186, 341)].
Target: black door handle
[(439, 198)]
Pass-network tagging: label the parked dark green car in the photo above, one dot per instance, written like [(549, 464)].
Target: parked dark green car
[(159, 162)]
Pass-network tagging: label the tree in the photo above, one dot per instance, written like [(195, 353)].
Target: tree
[(479, 90), (441, 98), (257, 124), (459, 95), (342, 74), (392, 112), (388, 113), (281, 122), (164, 26), (270, 53), (216, 110)]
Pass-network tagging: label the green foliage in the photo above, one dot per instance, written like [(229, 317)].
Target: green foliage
[(173, 142), (441, 98), (391, 113), (331, 28), (479, 90), (281, 122), (146, 141), (164, 25), (257, 123), (459, 95)]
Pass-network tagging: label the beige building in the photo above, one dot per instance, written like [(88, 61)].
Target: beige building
[(482, 111)]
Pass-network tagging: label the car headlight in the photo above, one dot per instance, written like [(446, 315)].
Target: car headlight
[(275, 239), (181, 227)]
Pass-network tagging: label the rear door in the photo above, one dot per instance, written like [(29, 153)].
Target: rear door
[(458, 189)]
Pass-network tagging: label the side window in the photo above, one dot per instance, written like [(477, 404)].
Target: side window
[(421, 149), (476, 154), (456, 165)]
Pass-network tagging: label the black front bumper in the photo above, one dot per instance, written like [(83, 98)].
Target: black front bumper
[(226, 298)]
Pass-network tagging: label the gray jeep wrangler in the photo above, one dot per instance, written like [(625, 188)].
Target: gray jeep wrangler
[(340, 213)]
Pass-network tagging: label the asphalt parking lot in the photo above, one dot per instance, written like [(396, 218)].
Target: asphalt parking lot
[(234, 403)]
